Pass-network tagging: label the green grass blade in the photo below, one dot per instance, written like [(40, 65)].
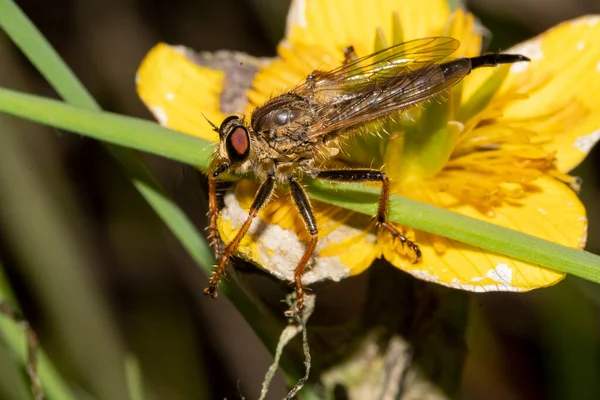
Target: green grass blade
[(14, 385), (134, 379), (131, 131), (14, 336), (43, 56), (109, 128)]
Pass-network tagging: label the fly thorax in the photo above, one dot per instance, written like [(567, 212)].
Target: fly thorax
[(283, 122)]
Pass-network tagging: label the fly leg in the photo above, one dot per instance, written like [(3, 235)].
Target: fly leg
[(373, 175), (349, 55), (262, 197), (214, 239), (305, 209), (311, 81), (213, 212)]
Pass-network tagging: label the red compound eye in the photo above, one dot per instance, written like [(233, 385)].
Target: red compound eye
[(238, 144)]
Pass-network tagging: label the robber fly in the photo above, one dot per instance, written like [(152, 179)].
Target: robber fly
[(296, 133)]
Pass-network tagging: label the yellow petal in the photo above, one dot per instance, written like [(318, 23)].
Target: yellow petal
[(462, 26), (552, 212), (291, 69), (319, 30), (335, 24), (277, 238), (178, 91), (562, 84)]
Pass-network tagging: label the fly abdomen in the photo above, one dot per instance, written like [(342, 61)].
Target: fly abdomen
[(456, 69)]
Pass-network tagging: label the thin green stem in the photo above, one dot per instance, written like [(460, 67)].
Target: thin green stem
[(110, 128)]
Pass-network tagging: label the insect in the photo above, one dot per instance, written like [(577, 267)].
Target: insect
[(296, 133)]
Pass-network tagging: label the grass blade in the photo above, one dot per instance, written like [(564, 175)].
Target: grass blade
[(14, 336)]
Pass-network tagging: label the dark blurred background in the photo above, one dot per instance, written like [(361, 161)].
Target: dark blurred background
[(131, 285)]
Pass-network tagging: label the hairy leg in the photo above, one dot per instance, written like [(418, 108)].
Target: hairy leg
[(305, 209), (213, 212), (373, 175), (262, 197)]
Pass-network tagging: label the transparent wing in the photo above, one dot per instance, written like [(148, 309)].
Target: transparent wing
[(389, 61), (376, 85), (381, 99)]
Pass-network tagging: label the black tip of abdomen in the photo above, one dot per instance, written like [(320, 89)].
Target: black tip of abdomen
[(491, 60), (462, 66)]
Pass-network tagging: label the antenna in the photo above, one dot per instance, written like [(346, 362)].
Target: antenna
[(215, 128)]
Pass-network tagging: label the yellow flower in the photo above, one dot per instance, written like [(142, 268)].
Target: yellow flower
[(497, 148)]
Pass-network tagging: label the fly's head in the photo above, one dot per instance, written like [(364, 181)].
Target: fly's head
[(235, 146)]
